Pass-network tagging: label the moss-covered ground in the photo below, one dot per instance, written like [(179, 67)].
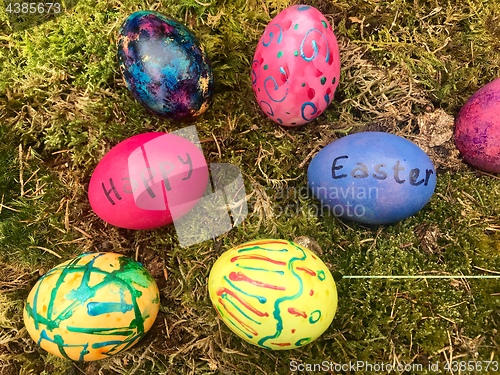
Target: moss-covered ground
[(63, 105)]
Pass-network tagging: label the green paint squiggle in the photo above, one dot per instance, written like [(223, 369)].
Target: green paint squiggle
[(128, 274)]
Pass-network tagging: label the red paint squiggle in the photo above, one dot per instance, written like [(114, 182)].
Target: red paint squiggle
[(238, 276), (294, 311), (263, 242), (244, 303), (307, 270), (250, 329), (281, 343), (258, 257)]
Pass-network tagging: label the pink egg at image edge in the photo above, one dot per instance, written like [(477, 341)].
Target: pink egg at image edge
[(477, 128)]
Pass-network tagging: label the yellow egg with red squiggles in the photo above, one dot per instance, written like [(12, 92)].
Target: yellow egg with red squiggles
[(296, 66), (92, 307), (275, 294)]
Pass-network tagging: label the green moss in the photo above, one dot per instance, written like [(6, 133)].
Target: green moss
[(62, 99)]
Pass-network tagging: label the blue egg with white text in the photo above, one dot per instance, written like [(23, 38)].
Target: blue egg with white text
[(372, 178)]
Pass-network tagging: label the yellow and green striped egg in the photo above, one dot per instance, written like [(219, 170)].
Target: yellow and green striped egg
[(92, 307)]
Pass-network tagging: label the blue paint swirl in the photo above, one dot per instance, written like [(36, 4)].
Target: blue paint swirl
[(314, 46), (270, 112), (276, 88), (303, 108), (271, 35)]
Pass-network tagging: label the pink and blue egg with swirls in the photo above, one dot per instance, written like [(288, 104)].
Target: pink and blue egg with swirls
[(164, 66), (296, 66)]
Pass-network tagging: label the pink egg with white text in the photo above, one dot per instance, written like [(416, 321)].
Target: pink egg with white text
[(148, 181), (296, 66)]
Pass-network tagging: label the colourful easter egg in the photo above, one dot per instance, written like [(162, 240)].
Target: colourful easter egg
[(372, 178), (164, 66), (92, 307), (296, 66), (274, 294), (148, 181), (477, 128)]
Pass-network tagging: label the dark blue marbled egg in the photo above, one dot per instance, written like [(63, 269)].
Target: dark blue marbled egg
[(164, 66), (372, 177)]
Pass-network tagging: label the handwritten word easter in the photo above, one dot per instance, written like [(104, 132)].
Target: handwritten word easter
[(362, 171), (130, 184)]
